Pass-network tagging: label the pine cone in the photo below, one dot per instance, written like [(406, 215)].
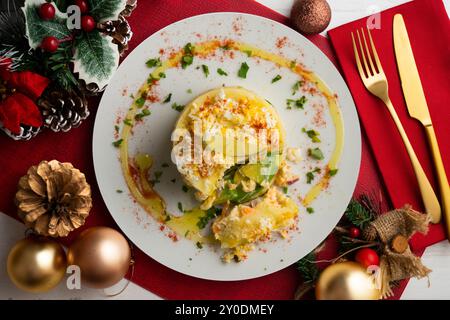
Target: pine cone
[(119, 30), (63, 110), (26, 132), (53, 198), (130, 6)]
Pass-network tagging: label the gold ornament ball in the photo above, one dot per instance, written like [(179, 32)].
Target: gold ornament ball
[(311, 16), (346, 281), (36, 264), (103, 256)]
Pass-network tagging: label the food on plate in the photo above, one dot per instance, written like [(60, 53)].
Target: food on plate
[(230, 149), (240, 144), (240, 226)]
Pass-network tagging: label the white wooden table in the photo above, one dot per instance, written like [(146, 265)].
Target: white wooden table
[(436, 257)]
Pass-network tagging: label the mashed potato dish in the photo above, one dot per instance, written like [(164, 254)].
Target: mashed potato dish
[(228, 145)]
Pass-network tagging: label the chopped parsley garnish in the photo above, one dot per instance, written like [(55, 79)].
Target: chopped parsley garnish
[(165, 165), (315, 153), (153, 63), (119, 191), (199, 245), (248, 53), (180, 206), (205, 70), (189, 91), (127, 122), (285, 190), (293, 64), (312, 134), (186, 61), (116, 128), (297, 86), (211, 213), (310, 210), (158, 175), (332, 172), (299, 103), (140, 102), (167, 98), (186, 233), (168, 218), (177, 107), (143, 114), (188, 56), (117, 143), (188, 48), (185, 188), (221, 72), (162, 75), (277, 78), (242, 73), (310, 175), (226, 47)]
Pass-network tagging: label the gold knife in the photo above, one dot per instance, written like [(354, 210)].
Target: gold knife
[(418, 108)]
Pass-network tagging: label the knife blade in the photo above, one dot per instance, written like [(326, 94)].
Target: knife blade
[(409, 75), (418, 108)]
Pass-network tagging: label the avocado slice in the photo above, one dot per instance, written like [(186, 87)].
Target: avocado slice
[(261, 172)]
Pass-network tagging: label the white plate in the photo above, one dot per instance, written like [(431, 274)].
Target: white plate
[(153, 137)]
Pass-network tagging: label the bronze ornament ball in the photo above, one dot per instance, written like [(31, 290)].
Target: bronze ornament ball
[(311, 16), (346, 281), (36, 264), (103, 256)]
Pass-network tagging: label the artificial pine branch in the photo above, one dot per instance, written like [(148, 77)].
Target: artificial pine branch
[(358, 214), (14, 44), (308, 268)]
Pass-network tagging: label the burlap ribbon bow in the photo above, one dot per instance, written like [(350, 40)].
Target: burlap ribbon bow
[(394, 229)]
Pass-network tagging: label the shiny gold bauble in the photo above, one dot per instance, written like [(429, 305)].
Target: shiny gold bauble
[(311, 16), (36, 264), (346, 281), (103, 256)]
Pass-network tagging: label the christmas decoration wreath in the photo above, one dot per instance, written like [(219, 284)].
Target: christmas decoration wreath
[(52, 56)]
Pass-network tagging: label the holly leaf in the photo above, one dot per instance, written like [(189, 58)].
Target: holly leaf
[(37, 29), (96, 58), (103, 10)]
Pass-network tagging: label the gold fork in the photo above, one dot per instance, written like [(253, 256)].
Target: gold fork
[(375, 81)]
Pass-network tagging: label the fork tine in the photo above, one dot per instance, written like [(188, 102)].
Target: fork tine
[(358, 61), (361, 49), (369, 56), (374, 50)]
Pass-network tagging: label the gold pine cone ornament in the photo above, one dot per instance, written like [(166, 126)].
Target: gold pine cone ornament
[(53, 198)]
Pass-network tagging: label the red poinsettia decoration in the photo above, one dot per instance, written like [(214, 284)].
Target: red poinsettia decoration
[(19, 91)]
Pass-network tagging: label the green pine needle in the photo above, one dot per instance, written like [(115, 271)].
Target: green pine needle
[(308, 268), (358, 215)]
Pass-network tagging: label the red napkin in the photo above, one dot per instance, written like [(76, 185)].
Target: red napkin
[(428, 27)]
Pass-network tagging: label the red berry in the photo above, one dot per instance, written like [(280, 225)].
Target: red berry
[(83, 5), (354, 232), (47, 11), (50, 44), (88, 23), (367, 257)]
